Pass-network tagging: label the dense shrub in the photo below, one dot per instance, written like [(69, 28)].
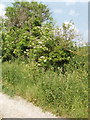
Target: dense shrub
[(29, 33)]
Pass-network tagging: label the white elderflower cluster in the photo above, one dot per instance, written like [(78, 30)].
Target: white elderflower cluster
[(67, 30), (71, 26)]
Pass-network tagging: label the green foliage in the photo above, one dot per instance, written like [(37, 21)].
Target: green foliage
[(38, 52), (29, 33), (64, 95), (22, 27), (25, 13), (79, 60)]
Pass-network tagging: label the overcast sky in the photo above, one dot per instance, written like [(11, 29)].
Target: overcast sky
[(63, 10)]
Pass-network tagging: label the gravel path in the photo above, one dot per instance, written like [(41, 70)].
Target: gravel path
[(20, 108)]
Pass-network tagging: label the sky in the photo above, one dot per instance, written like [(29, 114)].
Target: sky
[(63, 11)]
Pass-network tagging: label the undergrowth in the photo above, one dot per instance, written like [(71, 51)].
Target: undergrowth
[(62, 94)]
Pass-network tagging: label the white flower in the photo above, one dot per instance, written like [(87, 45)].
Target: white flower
[(45, 60), (66, 22), (42, 57), (40, 42), (72, 26), (27, 50)]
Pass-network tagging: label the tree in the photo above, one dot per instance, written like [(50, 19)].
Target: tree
[(30, 33), (23, 14), (22, 26)]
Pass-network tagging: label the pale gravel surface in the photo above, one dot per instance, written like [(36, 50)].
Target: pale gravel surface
[(20, 108)]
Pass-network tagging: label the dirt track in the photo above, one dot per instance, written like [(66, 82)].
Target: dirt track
[(20, 108)]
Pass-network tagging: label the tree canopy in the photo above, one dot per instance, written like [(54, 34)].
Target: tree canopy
[(22, 14)]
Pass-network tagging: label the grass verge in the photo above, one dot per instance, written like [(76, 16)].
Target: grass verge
[(63, 95)]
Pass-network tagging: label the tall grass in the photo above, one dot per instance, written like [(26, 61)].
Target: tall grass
[(62, 94)]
